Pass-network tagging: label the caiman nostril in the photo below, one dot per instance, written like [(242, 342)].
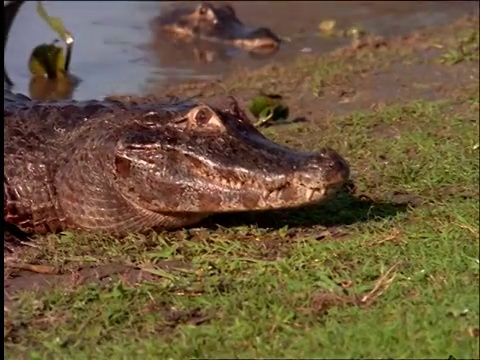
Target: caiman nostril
[(328, 152)]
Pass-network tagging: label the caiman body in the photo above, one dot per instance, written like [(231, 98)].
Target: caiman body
[(120, 167), (218, 24)]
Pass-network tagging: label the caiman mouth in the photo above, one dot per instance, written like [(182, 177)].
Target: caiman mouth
[(320, 177), (299, 195), (307, 194)]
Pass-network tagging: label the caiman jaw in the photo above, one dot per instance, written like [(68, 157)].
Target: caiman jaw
[(315, 178), (309, 195), (323, 177)]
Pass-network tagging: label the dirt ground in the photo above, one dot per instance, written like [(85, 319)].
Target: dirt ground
[(370, 75)]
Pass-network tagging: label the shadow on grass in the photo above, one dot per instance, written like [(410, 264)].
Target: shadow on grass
[(345, 209), (12, 237)]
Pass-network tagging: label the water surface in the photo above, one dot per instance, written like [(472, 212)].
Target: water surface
[(116, 51)]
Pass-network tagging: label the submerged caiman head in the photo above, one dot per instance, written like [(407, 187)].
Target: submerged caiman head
[(217, 24), (201, 160)]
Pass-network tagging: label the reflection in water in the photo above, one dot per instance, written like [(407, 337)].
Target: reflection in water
[(168, 51), (199, 52), (43, 88), (196, 60)]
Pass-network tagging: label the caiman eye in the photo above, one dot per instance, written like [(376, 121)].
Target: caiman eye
[(208, 12), (203, 116), (203, 9)]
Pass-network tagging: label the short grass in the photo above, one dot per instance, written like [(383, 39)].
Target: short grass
[(390, 270)]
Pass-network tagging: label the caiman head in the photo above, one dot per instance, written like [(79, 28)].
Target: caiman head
[(201, 160), (218, 24)]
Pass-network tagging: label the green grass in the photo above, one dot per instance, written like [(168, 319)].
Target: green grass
[(465, 47), (235, 300), (391, 270)]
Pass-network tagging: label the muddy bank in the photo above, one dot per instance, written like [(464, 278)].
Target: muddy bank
[(373, 72)]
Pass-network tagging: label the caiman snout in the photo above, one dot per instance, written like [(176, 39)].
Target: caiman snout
[(333, 167), (311, 178), (315, 177)]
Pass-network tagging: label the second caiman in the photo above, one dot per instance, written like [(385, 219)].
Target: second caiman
[(119, 167), (218, 24)]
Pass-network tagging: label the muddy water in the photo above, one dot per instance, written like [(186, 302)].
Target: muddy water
[(116, 51)]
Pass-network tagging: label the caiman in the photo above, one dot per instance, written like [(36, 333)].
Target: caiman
[(218, 24), (129, 166)]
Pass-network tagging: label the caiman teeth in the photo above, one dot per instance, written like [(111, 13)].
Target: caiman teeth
[(271, 193), (310, 193)]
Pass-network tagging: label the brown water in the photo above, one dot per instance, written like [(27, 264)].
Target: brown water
[(116, 52)]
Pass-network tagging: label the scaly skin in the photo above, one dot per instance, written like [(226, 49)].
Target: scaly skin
[(219, 24), (120, 167)]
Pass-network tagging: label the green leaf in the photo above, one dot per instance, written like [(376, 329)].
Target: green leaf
[(258, 104), (55, 23), (355, 32), (268, 107), (47, 60), (327, 26)]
